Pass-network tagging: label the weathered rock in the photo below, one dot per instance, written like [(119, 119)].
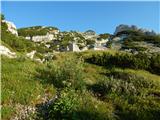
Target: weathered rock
[(5, 51), (123, 27), (11, 27), (90, 32), (147, 32), (39, 60), (40, 38), (74, 47), (120, 37), (101, 42), (84, 49), (31, 54)]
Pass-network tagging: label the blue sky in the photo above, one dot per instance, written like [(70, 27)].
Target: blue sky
[(103, 17)]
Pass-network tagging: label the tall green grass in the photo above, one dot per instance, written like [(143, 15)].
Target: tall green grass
[(65, 73), (134, 96), (19, 84), (86, 91)]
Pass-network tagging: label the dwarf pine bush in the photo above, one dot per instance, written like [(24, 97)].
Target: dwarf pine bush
[(67, 73), (75, 105), (134, 97), (126, 60)]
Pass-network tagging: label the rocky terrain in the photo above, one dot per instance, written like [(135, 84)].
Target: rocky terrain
[(5, 51), (54, 39), (11, 27), (64, 41), (123, 27), (134, 39)]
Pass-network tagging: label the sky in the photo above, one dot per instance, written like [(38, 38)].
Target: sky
[(102, 17)]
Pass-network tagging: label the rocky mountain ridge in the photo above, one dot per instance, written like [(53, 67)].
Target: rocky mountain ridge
[(123, 27), (62, 41), (11, 27), (51, 39)]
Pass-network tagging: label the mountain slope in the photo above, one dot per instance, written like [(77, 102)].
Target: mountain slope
[(94, 85)]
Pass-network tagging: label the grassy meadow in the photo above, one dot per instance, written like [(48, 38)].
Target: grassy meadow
[(87, 90)]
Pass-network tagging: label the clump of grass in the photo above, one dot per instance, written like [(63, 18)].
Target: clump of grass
[(65, 73), (19, 85), (133, 95), (74, 105), (75, 102), (112, 93)]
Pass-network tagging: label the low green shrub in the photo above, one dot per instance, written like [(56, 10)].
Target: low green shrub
[(41, 48), (130, 94), (134, 35), (68, 73), (129, 44), (119, 87), (137, 108), (21, 58), (126, 60), (64, 106), (39, 55), (35, 30), (19, 85), (155, 64), (76, 105)]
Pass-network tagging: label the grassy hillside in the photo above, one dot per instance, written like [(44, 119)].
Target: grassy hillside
[(16, 43), (86, 91), (97, 92), (20, 86), (90, 85), (19, 44)]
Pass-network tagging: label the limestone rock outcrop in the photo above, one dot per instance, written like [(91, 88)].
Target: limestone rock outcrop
[(74, 47), (40, 38), (11, 27), (31, 54), (123, 27), (90, 32), (5, 51)]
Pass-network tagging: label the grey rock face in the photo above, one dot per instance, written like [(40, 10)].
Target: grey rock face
[(90, 32), (74, 47), (123, 27)]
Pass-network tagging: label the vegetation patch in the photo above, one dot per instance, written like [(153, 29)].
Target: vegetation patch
[(35, 31), (126, 60), (19, 85)]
